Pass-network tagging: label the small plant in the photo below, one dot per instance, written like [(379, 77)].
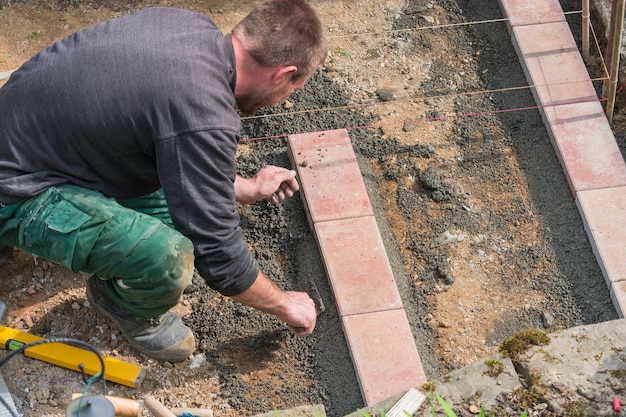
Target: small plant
[(450, 413), (34, 36), (364, 413), (429, 386), (344, 52), (446, 407)]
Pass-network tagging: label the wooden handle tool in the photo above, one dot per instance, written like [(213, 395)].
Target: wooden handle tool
[(124, 407), (156, 408)]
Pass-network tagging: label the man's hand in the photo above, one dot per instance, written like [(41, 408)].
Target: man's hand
[(296, 309), (271, 183), (303, 316)]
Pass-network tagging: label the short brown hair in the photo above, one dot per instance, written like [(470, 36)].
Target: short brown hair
[(284, 32)]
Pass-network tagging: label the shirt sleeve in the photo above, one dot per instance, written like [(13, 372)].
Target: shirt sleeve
[(197, 172)]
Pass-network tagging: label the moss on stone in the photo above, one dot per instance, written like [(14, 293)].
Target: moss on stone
[(428, 387), (522, 341), (576, 408), (494, 368)]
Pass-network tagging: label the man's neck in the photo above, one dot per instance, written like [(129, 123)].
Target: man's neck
[(249, 72)]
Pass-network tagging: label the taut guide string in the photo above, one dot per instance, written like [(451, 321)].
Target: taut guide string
[(447, 117)]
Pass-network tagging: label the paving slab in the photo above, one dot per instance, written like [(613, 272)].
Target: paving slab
[(331, 183), (357, 266), (384, 354), (340, 214), (618, 297), (604, 217), (574, 117), (524, 12)]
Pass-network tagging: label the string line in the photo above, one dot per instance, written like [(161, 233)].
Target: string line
[(447, 117), (448, 25), (471, 93), (452, 95), (415, 99)]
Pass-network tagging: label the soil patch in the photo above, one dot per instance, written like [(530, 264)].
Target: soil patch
[(482, 232)]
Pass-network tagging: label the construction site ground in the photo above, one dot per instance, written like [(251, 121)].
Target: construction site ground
[(483, 233)]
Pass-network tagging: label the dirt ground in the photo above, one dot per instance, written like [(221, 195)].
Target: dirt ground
[(482, 232)]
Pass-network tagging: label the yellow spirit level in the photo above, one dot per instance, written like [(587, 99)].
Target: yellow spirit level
[(71, 357)]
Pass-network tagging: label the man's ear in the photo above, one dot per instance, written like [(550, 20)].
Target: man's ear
[(283, 72)]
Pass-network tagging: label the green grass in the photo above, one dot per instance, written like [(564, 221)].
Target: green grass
[(450, 413), (343, 52)]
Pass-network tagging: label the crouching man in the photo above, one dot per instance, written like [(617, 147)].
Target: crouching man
[(117, 158)]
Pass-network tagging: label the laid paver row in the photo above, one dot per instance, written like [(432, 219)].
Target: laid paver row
[(580, 133), (340, 214)]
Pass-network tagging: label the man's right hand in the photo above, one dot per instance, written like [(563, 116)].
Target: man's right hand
[(297, 309), (303, 316)]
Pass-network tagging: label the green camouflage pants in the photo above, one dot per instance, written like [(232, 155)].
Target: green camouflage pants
[(130, 243)]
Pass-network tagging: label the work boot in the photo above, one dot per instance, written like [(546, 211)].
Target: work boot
[(164, 338), (5, 254)]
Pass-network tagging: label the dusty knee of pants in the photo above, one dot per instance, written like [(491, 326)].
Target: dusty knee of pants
[(166, 270), (177, 268)]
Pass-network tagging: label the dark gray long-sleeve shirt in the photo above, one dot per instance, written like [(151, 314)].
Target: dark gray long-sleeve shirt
[(126, 107)]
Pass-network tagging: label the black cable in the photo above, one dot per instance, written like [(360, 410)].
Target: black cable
[(70, 341)]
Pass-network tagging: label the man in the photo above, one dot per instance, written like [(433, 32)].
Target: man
[(117, 158)]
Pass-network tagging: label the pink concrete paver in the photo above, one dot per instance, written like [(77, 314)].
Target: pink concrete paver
[(331, 182), (579, 132), (357, 266), (552, 62), (586, 147), (314, 140), (604, 216), (384, 354), (377, 330), (531, 12)]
